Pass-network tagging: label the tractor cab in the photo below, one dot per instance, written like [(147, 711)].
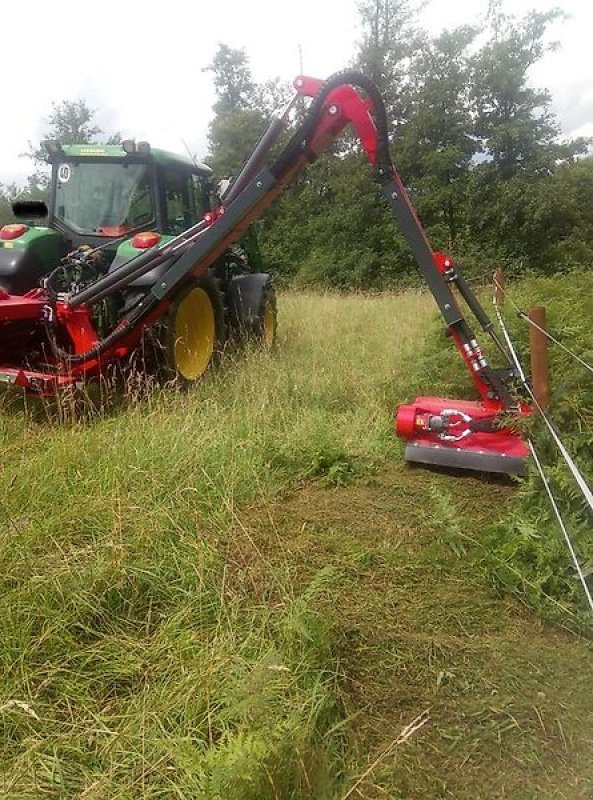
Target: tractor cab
[(108, 191), (101, 196)]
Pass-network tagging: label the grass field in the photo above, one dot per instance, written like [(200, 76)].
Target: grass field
[(242, 592)]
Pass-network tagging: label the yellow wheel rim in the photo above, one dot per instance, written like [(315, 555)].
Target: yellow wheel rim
[(194, 332), (269, 324)]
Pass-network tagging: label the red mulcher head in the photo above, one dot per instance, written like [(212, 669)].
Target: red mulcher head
[(466, 434), (461, 434)]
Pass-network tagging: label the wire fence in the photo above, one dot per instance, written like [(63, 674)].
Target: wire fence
[(525, 317), (576, 473)]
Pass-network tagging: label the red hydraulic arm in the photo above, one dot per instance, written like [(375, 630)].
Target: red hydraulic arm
[(439, 431)]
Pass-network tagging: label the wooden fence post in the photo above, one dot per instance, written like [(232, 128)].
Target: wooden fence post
[(538, 347), (499, 286)]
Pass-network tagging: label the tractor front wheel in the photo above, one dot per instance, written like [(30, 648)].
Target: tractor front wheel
[(195, 330)]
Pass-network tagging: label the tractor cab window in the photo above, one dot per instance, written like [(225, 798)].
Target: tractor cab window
[(103, 198), (182, 207), (203, 192)]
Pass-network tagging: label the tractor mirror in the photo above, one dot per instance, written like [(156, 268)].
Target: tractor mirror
[(29, 209), (223, 186)]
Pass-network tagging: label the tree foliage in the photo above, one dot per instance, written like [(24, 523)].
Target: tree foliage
[(8, 193), (70, 122), (232, 80), (388, 40), (437, 142), (475, 143), (239, 117), (513, 120)]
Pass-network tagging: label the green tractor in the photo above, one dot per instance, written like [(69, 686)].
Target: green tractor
[(115, 202)]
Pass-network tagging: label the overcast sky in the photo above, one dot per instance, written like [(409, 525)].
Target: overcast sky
[(141, 66)]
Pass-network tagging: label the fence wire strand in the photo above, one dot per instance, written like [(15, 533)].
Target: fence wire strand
[(571, 549), (563, 451), (582, 483), (525, 318)]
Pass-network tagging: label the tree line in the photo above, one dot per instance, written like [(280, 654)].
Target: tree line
[(476, 145)]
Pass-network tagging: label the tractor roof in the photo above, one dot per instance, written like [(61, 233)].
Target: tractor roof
[(111, 151)]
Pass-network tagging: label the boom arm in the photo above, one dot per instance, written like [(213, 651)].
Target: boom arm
[(336, 104)]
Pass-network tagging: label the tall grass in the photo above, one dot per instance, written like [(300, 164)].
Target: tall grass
[(141, 654), (159, 640)]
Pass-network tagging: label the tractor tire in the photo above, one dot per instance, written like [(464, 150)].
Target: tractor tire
[(266, 324), (195, 333)]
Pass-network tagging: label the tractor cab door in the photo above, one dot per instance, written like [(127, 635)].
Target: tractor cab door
[(184, 200)]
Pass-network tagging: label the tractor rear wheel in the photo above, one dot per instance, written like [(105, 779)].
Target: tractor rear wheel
[(195, 330)]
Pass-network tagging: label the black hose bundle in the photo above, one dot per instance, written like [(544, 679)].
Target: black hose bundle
[(125, 326), (347, 77)]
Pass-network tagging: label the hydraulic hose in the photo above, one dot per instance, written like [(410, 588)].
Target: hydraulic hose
[(135, 268), (347, 77), (141, 310), (261, 150)]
